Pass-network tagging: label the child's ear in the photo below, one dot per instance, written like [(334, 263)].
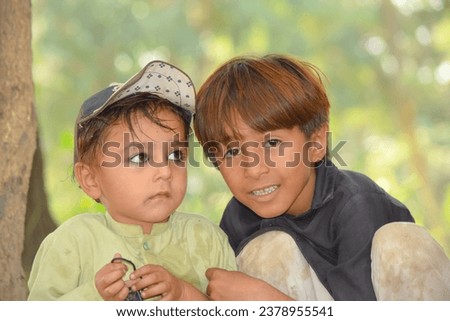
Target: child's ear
[(319, 144), (87, 179)]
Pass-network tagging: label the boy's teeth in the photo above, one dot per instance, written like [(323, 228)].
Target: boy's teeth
[(265, 191)]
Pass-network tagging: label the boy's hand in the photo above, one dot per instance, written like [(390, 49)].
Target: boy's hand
[(154, 280), (236, 286), (109, 281)]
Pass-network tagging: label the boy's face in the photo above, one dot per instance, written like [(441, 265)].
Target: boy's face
[(272, 173), (142, 179)]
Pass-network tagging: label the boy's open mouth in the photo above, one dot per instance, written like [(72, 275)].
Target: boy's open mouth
[(266, 190)]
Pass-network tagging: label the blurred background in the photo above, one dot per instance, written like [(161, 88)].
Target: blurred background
[(387, 64)]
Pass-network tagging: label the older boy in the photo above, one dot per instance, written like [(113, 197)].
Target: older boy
[(301, 228)]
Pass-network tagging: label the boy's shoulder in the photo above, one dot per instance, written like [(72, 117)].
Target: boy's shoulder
[(349, 184), (337, 186), (356, 182), (334, 179)]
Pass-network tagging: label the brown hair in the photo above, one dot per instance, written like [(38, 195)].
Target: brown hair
[(91, 134), (268, 93)]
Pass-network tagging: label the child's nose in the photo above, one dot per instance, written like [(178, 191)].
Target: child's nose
[(254, 165), (163, 171)]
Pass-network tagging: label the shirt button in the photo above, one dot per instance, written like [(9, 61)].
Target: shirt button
[(146, 246)]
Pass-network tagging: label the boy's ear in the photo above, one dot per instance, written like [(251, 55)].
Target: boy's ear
[(318, 149), (87, 179)]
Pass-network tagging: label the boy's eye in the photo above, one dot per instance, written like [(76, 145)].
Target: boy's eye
[(271, 143), (232, 152), (139, 159), (177, 156)]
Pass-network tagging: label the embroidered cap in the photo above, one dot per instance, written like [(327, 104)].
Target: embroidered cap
[(157, 77)]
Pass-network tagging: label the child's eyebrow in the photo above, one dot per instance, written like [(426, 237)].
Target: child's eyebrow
[(132, 144), (177, 138), (179, 143)]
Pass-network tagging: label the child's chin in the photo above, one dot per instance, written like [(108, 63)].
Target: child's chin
[(266, 212)]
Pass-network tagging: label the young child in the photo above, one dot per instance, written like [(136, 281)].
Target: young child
[(301, 228), (131, 148)]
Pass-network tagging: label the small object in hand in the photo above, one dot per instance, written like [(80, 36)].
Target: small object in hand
[(132, 295)]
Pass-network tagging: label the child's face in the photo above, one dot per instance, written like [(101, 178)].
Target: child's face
[(272, 173), (142, 179)]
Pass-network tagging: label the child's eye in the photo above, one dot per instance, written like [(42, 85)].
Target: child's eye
[(232, 152), (139, 159), (271, 143), (177, 156)]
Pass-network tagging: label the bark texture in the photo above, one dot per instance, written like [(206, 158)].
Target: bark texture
[(17, 141)]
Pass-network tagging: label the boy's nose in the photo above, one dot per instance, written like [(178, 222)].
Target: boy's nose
[(254, 165)]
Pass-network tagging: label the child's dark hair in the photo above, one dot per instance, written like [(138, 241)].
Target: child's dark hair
[(268, 93), (92, 134)]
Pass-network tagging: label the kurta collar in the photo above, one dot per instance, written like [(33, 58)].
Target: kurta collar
[(131, 230)]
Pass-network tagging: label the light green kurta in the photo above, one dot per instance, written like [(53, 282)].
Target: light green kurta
[(68, 259)]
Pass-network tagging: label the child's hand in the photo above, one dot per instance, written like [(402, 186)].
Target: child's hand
[(236, 286), (109, 281), (154, 280)]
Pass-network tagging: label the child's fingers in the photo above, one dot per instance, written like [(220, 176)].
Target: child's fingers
[(130, 283), (145, 270), (148, 280), (110, 274), (116, 291), (109, 280), (152, 279), (161, 289), (212, 273), (117, 264)]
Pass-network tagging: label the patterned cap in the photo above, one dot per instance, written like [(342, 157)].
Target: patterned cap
[(157, 77)]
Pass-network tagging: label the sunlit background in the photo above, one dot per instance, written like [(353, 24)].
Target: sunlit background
[(387, 64)]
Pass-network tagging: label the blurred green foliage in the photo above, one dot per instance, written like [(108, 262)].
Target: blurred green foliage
[(387, 65)]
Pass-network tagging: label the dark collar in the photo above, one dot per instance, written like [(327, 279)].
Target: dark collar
[(326, 174)]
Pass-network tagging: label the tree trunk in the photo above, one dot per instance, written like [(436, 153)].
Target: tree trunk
[(38, 222), (17, 141)]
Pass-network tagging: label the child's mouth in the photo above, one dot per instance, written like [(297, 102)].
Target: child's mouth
[(266, 190)]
